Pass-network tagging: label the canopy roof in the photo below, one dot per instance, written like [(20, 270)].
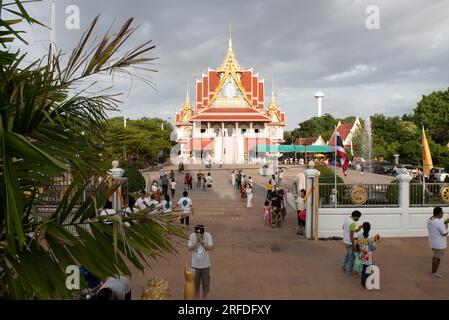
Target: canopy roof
[(295, 148)]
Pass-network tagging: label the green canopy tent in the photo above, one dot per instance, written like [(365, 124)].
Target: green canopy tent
[(294, 148)]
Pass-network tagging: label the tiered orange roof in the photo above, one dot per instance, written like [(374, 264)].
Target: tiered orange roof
[(251, 89)]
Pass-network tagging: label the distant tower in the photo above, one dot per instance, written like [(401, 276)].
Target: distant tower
[(319, 97)]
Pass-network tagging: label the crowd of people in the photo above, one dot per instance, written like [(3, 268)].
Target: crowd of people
[(359, 243), (274, 208)]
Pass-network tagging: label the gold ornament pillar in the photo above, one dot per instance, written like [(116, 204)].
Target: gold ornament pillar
[(189, 286)]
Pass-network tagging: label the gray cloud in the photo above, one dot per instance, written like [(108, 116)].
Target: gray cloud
[(305, 46)]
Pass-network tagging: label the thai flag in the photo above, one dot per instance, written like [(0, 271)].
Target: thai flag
[(341, 152)]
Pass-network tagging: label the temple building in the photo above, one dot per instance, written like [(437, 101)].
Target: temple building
[(229, 117), (347, 132)]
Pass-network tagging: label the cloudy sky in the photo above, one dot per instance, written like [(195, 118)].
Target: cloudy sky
[(304, 46)]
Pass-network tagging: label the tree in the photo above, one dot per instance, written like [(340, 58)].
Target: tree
[(141, 140), (315, 127), (289, 139), (136, 181), (432, 112), (50, 125)]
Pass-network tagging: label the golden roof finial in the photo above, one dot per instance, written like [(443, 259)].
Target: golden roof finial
[(187, 105), (230, 62), (230, 37), (273, 108)]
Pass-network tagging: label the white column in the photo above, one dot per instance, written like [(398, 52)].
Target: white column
[(404, 199), (208, 129), (237, 128), (251, 128), (319, 106), (404, 190), (310, 174)]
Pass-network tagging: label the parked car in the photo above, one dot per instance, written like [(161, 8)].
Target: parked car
[(437, 175), (411, 169), (373, 168), (388, 169)]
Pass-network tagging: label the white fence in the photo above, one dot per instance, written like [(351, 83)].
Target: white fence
[(402, 221), (388, 222)]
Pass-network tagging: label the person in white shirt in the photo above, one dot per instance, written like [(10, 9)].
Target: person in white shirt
[(186, 207), (143, 202), (249, 195), (115, 289), (161, 173), (349, 229), (108, 211), (155, 187), (173, 188), (166, 205), (437, 238), (131, 208), (200, 243), (280, 176), (209, 181)]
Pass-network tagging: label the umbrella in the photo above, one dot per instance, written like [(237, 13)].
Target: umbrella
[(320, 155)]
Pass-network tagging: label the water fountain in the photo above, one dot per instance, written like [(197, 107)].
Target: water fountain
[(368, 143)]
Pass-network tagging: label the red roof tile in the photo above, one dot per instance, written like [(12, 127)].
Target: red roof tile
[(343, 130), (306, 141)]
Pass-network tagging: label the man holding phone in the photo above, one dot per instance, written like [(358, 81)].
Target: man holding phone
[(200, 243)]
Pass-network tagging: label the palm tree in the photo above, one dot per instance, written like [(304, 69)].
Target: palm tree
[(51, 118)]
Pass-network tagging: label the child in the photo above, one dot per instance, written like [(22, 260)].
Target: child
[(365, 246), (266, 212), (209, 181), (243, 192), (301, 210), (269, 188)]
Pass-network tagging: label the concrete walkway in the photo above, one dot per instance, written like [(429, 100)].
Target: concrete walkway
[(254, 261)]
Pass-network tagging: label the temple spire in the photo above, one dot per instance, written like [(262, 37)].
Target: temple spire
[(187, 105), (230, 38), (230, 62), (187, 93)]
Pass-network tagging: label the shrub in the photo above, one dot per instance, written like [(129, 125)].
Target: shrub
[(327, 177), (392, 192), (136, 181)]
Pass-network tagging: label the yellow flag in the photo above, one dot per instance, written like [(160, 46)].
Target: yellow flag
[(426, 156)]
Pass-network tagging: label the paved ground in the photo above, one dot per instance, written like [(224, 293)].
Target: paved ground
[(254, 261)]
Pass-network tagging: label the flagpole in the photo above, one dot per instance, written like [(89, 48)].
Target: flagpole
[(335, 168), (423, 174)]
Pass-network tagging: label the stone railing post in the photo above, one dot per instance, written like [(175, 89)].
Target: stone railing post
[(311, 173), (404, 190), (404, 199)]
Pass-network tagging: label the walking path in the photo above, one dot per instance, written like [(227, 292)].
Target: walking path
[(254, 261)]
